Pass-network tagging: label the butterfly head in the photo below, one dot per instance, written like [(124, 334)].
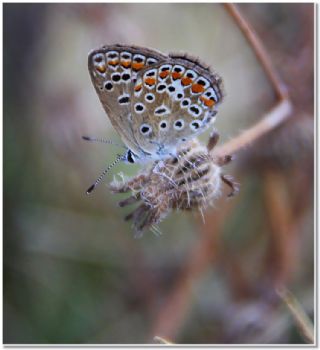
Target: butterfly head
[(130, 157)]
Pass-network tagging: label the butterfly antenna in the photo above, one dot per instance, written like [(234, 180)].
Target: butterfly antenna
[(95, 139), (117, 160)]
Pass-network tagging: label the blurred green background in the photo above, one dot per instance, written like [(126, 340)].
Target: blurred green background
[(73, 273)]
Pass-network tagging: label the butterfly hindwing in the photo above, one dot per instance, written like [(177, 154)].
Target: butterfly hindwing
[(172, 101)]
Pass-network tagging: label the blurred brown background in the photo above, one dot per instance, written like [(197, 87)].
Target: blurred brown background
[(72, 271)]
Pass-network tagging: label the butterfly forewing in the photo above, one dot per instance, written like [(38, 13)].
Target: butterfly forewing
[(172, 101), (113, 70)]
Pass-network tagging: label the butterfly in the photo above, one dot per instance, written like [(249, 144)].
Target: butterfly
[(154, 101)]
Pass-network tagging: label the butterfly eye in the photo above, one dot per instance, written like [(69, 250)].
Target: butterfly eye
[(130, 157), (145, 129)]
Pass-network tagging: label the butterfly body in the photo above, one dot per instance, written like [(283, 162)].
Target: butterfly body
[(154, 101)]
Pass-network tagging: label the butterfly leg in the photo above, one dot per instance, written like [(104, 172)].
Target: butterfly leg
[(135, 184), (129, 201), (213, 140), (228, 180)]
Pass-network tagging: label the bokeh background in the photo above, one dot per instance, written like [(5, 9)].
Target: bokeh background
[(73, 273)]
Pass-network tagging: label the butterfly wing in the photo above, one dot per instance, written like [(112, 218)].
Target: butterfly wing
[(113, 70), (172, 101)]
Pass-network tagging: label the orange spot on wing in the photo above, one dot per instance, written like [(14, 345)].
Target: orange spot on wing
[(137, 66), (150, 81), (207, 101), (126, 64), (176, 75), (138, 87), (113, 63), (186, 81), (197, 88), (101, 69), (164, 74)]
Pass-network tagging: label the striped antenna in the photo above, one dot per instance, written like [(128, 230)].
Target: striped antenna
[(95, 139), (117, 160)]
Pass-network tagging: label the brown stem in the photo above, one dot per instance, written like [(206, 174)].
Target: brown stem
[(300, 317), (281, 252), (271, 120), (279, 113), (260, 52)]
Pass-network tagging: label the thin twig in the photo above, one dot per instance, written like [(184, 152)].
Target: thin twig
[(279, 113), (301, 319), (259, 50), (282, 241), (272, 119)]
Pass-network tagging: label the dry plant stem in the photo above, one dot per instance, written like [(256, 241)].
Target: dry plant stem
[(259, 50), (279, 113), (301, 319), (282, 248), (275, 117)]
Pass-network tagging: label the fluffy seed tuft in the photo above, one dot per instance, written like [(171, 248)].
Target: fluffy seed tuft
[(190, 180)]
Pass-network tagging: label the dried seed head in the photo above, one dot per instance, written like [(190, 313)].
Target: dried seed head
[(190, 180)]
